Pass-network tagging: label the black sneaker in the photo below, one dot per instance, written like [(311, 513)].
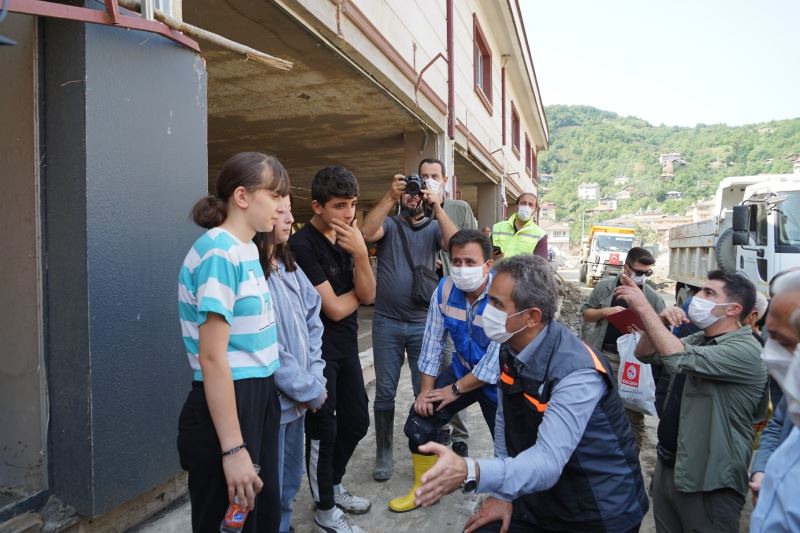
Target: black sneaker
[(460, 448)]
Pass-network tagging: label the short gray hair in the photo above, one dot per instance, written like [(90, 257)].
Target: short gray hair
[(786, 281), (761, 305), (534, 283)]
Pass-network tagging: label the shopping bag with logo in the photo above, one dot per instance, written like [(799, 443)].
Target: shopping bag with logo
[(635, 379)]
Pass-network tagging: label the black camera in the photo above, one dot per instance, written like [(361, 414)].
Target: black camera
[(415, 185)]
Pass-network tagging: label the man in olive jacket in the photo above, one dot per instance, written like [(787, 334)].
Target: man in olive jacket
[(717, 391), (602, 302)]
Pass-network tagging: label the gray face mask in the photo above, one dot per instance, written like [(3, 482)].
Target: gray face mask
[(639, 280)]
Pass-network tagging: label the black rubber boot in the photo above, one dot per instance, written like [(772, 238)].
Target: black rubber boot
[(384, 436)]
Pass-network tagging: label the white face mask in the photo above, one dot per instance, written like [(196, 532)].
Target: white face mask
[(433, 185), (791, 388), (778, 360), (700, 312), (494, 323), (524, 212), (468, 278), (639, 280)]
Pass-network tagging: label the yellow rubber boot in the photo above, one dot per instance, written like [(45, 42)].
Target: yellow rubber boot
[(422, 463)]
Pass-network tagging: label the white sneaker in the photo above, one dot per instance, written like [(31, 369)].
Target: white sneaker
[(334, 521), (350, 503)]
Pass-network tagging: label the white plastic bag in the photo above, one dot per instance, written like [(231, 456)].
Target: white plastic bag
[(634, 378)]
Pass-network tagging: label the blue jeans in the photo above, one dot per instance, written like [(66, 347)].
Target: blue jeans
[(392, 339), (290, 467)]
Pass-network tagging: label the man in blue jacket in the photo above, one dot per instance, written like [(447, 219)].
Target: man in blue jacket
[(456, 308), (565, 457)]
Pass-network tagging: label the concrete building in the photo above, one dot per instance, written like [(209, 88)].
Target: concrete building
[(557, 236), (621, 180), (121, 124), (701, 210), (608, 202), (547, 212), (669, 162), (624, 193), (658, 222), (369, 89), (588, 191)]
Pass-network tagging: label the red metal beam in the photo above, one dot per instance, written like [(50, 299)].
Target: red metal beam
[(113, 10), (40, 8)]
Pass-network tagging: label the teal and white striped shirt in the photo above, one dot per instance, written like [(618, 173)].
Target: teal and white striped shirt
[(222, 275)]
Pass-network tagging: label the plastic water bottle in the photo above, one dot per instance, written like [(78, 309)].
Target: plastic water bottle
[(233, 522)]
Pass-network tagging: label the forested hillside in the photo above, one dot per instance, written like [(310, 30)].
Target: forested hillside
[(590, 145)]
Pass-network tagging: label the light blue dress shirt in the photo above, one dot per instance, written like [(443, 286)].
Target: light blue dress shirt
[(538, 468), (778, 508)]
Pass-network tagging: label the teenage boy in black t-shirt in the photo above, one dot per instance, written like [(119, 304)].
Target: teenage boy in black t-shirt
[(331, 252)]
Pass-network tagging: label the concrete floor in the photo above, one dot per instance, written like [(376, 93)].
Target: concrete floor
[(453, 510)]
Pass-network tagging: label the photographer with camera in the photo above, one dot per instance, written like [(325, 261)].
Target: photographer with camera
[(408, 244)]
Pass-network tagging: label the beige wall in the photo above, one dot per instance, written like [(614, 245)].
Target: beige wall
[(416, 30), (22, 465)]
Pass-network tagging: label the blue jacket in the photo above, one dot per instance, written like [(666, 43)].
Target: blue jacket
[(601, 486), (778, 508), (299, 378), (469, 339), (773, 436)]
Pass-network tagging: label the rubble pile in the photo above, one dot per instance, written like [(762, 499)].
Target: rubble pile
[(571, 300)]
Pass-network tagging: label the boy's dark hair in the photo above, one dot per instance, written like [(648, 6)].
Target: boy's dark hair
[(466, 236), (333, 181), (431, 161), (737, 289), (641, 255)]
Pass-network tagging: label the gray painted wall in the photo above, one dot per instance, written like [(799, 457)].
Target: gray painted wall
[(126, 158)]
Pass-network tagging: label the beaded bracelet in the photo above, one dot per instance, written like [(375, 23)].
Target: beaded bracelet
[(234, 449)]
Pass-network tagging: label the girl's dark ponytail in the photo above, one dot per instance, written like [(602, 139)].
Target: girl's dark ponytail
[(209, 212)]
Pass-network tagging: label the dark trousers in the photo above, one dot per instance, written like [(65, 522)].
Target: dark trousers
[(715, 511), (199, 451), (420, 430), (333, 432)]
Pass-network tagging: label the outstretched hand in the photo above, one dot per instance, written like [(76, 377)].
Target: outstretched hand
[(443, 478)]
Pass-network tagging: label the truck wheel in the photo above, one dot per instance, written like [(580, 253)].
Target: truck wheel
[(684, 293), (726, 252), (582, 273)]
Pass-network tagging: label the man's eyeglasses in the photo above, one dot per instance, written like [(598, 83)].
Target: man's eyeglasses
[(648, 272)]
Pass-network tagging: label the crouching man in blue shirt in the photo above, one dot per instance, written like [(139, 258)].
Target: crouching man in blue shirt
[(565, 457), (456, 308)]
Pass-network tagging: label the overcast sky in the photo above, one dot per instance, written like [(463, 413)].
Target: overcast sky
[(680, 62)]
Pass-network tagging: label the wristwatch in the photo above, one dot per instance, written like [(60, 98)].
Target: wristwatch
[(455, 389), (471, 482)]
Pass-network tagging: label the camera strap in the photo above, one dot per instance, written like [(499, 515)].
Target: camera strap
[(404, 240)]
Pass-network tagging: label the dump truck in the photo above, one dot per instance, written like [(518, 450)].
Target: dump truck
[(603, 252), (755, 231)]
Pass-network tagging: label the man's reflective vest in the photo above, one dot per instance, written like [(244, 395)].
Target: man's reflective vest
[(469, 339), (513, 242)]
